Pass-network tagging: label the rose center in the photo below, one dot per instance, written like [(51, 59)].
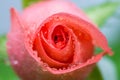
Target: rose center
[(60, 37)]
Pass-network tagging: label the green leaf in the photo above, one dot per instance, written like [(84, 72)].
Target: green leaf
[(27, 3), (6, 72), (95, 74), (99, 14), (107, 67), (2, 47), (115, 45)]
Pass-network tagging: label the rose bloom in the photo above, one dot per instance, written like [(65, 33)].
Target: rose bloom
[(54, 40)]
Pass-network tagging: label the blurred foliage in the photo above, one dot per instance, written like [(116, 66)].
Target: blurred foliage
[(99, 14), (116, 49), (6, 71), (95, 74), (2, 47), (28, 2)]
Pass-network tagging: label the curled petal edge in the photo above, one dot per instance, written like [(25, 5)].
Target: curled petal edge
[(91, 61)]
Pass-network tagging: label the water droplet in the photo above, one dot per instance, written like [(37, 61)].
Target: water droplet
[(57, 18), (60, 18), (93, 57), (73, 66), (35, 54), (50, 19), (70, 65), (60, 69), (89, 61), (54, 69), (45, 32), (15, 62), (79, 63), (44, 69), (45, 64), (38, 34), (39, 59), (64, 68), (80, 34), (30, 41), (73, 46)]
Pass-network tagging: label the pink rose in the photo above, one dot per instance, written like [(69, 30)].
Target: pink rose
[(54, 40)]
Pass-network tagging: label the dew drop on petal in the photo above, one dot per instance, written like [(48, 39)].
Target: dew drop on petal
[(15, 62), (64, 68), (44, 69), (80, 34), (60, 69), (54, 69), (89, 61), (93, 57), (44, 66)]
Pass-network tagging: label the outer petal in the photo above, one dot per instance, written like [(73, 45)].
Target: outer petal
[(22, 61)]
